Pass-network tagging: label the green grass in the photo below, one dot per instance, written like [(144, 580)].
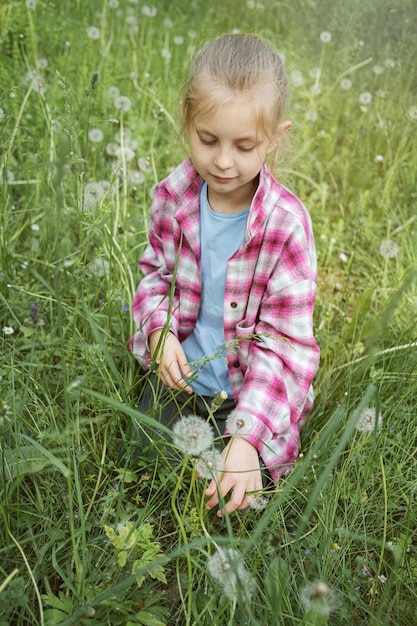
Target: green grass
[(93, 532)]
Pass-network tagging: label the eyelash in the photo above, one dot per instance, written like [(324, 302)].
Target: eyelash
[(212, 142)]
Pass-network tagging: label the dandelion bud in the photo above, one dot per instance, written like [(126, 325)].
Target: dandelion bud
[(218, 401)]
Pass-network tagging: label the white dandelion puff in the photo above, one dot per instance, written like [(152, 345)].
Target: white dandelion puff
[(93, 33), (226, 566), (95, 135), (388, 249), (345, 84), (318, 597), (365, 97), (209, 464), (412, 112), (369, 421), (239, 423), (122, 103), (257, 501), (192, 435), (325, 37), (148, 11), (297, 78)]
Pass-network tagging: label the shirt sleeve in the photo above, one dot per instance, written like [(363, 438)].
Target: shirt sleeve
[(281, 357), (155, 300)]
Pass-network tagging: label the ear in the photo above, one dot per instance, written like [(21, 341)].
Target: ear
[(279, 135)]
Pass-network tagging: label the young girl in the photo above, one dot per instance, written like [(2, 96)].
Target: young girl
[(230, 272)]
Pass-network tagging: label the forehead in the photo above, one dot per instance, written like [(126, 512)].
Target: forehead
[(236, 117), (217, 102)]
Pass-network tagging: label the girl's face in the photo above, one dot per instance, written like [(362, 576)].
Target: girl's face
[(228, 152)]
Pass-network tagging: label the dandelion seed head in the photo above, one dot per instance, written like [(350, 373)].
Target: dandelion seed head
[(258, 502), (210, 464), (412, 112), (369, 421), (319, 598), (31, 4), (325, 37), (148, 11), (378, 69), (388, 249), (93, 33), (345, 84), (166, 53), (95, 135), (297, 78), (192, 435), (113, 91), (239, 423), (365, 97), (34, 227), (223, 561), (122, 103)]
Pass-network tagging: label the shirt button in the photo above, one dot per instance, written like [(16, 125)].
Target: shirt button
[(233, 305)]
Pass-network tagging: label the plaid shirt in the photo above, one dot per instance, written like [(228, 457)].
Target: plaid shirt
[(271, 352)]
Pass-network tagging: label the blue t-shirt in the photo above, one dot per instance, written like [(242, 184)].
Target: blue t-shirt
[(221, 235)]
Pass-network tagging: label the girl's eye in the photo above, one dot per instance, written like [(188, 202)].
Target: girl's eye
[(206, 142), (246, 148)]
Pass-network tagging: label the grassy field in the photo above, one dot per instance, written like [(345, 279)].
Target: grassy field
[(95, 532)]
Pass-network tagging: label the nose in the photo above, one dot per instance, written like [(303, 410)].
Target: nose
[(223, 159)]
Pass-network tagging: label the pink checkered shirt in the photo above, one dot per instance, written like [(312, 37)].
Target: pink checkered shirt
[(271, 352)]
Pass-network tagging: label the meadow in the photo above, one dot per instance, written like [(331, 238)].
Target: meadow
[(94, 531)]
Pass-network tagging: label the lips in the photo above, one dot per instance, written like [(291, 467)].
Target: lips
[(222, 180)]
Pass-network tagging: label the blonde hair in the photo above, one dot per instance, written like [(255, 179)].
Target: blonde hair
[(236, 64)]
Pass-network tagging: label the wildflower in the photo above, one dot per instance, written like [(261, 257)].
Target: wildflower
[(318, 597), (136, 177), (210, 464), (239, 423), (94, 193), (218, 401), (336, 547), (257, 501), (345, 84), (369, 421), (412, 112), (388, 249), (95, 135), (297, 78), (227, 567), (192, 435), (148, 11), (365, 97), (93, 32), (34, 227), (343, 257), (382, 579), (113, 91), (325, 37), (122, 103), (8, 330), (315, 90), (379, 158)]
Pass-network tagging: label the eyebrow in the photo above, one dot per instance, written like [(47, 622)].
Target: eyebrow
[(250, 138)]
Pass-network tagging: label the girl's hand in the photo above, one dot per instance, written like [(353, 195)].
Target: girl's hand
[(241, 474), (173, 366)]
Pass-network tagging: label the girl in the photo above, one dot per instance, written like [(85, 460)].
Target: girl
[(230, 272)]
